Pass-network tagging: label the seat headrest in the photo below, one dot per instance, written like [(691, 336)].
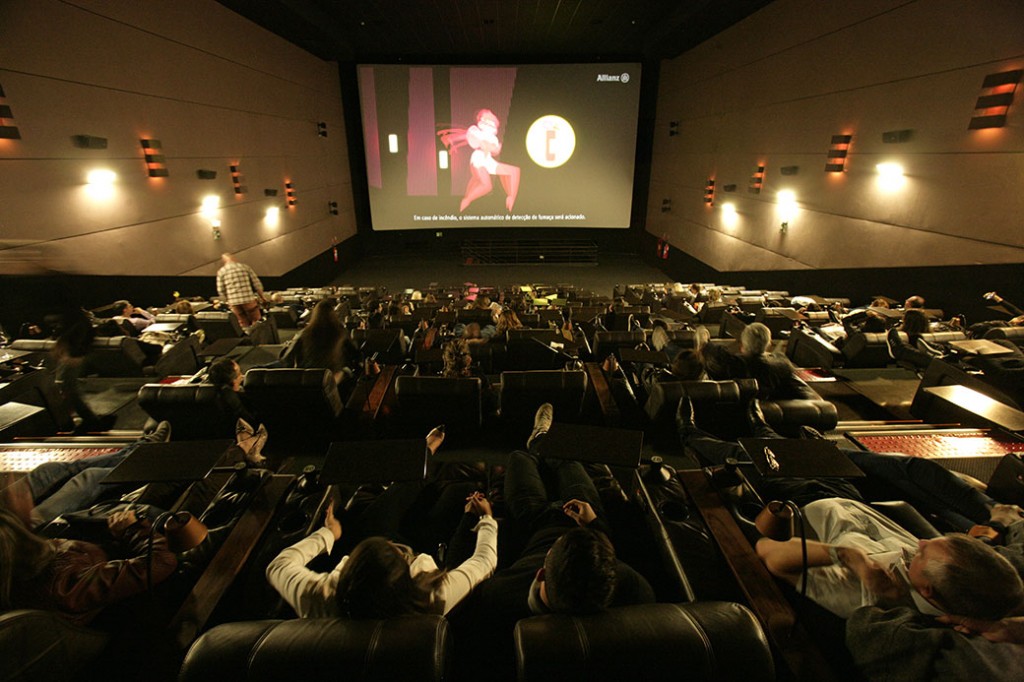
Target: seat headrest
[(544, 379), (189, 393), (698, 641), (664, 399), (306, 378), (413, 386), (408, 647)]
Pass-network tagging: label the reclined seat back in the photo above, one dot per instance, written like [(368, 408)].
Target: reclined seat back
[(523, 392), (217, 325), (384, 342), (115, 356), (868, 349), (697, 641), (195, 410), (299, 407), (606, 343), (425, 402), (403, 648), (718, 405)]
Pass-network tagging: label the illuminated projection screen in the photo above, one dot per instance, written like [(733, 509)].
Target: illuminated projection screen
[(540, 145)]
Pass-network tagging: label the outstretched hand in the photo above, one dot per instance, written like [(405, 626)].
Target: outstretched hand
[(331, 522), (579, 511), (477, 503)]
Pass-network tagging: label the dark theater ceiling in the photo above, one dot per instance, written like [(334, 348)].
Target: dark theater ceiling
[(500, 30)]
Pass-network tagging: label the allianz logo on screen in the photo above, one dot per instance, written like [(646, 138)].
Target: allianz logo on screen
[(612, 78)]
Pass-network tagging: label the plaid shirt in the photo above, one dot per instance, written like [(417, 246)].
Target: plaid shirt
[(238, 284)]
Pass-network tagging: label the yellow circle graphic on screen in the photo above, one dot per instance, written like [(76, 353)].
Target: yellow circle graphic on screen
[(550, 141)]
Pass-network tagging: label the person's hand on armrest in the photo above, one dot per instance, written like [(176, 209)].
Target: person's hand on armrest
[(1009, 630)]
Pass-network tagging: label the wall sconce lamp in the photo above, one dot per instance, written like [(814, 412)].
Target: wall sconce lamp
[(442, 159), (289, 193), (272, 216), (209, 206), (709, 192), (787, 209), (100, 183), (890, 176), (321, 129), (673, 128), (666, 205), (997, 95), (332, 207), (393, 143)]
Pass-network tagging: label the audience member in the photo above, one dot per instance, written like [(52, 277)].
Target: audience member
[(240, 288), (58, 487), (325, 342), (568, 564), (78, 579), (776, 377), (74, 343), (137, 318), (381, 579)]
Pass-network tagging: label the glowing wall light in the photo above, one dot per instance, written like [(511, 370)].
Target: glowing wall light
[(442, 159), (786, 208), (272, 216), (393, 143), (100, 183), (730, 218), (209, 206), (890, 176)]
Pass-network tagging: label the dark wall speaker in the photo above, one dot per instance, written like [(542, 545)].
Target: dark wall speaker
[(89, 142)]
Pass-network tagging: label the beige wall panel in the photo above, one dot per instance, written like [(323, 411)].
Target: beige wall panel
[(213, 88), (780, 104)]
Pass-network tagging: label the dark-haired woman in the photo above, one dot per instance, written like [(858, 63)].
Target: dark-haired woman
[(381, 579), (325, 342)]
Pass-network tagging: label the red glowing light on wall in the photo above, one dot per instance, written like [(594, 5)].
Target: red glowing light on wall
[(156, 164), (709, 192), (7, 131), (289, 192), (838, 151), (995, 99), (756, 180), (236, 179)]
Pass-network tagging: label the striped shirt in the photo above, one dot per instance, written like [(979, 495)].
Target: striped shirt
[(238, 284)]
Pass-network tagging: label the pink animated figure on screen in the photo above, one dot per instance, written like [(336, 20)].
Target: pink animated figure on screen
[(482, 137)]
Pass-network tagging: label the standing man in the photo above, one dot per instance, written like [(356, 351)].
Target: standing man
[(240, 288)]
